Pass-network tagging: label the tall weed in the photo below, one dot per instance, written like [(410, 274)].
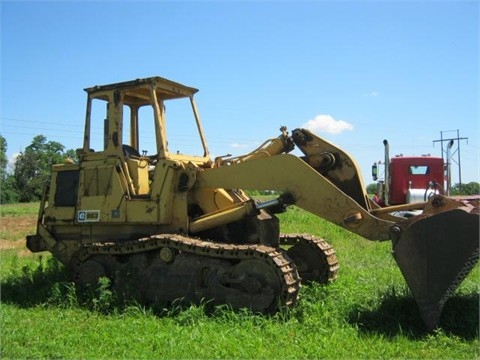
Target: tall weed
[(30, 283)]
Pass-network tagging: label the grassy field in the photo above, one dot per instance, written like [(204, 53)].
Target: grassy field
[(367, 313)]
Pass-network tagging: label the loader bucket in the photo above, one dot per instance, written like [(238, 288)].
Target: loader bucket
[(435, 253)]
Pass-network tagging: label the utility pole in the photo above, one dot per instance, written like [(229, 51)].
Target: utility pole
[(458, 138)]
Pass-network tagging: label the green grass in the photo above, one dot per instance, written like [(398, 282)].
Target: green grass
[(367, 313), (22, 209)]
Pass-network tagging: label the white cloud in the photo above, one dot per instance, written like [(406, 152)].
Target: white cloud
[(11, 162), (371, 94), (237, 145), (327, 124)]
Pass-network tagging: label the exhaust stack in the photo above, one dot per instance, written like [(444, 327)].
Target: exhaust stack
[(448, 186), (386, 188)]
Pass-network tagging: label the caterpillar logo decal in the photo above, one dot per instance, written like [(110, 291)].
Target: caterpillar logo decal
[(88, 215)]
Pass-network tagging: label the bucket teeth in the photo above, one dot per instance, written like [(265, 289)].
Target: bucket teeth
[(435, 253)]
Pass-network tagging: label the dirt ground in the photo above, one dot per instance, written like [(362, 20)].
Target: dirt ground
[(14, 229)]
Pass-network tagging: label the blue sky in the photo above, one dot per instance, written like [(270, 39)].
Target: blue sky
[(355, 72)]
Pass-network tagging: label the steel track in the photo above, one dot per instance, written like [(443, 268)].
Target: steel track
[(276, 259), (329, 262)]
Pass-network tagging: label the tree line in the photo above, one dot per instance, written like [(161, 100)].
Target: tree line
[(32, 168)]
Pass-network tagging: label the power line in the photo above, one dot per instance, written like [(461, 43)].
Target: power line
[(458, 138)]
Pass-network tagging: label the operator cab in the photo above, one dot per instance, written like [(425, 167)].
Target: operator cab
[(142, 122), (140, 114)]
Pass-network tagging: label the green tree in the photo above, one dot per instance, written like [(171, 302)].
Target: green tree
[(33, 167), (8, 190), (3, 158), (472, 188), (372, 188)]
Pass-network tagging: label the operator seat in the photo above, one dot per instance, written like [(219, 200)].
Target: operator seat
[(130, 151), (138, 169)]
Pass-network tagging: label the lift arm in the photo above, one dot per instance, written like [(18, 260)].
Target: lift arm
[(311, 191), (435, 250)]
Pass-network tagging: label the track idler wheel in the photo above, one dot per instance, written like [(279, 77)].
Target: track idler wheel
[(88, 272), (314, 258), (258, 286)]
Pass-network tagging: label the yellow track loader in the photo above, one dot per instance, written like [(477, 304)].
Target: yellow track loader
[(164, 225)]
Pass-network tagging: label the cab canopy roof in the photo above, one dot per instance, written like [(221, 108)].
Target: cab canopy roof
[(140, 89)]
